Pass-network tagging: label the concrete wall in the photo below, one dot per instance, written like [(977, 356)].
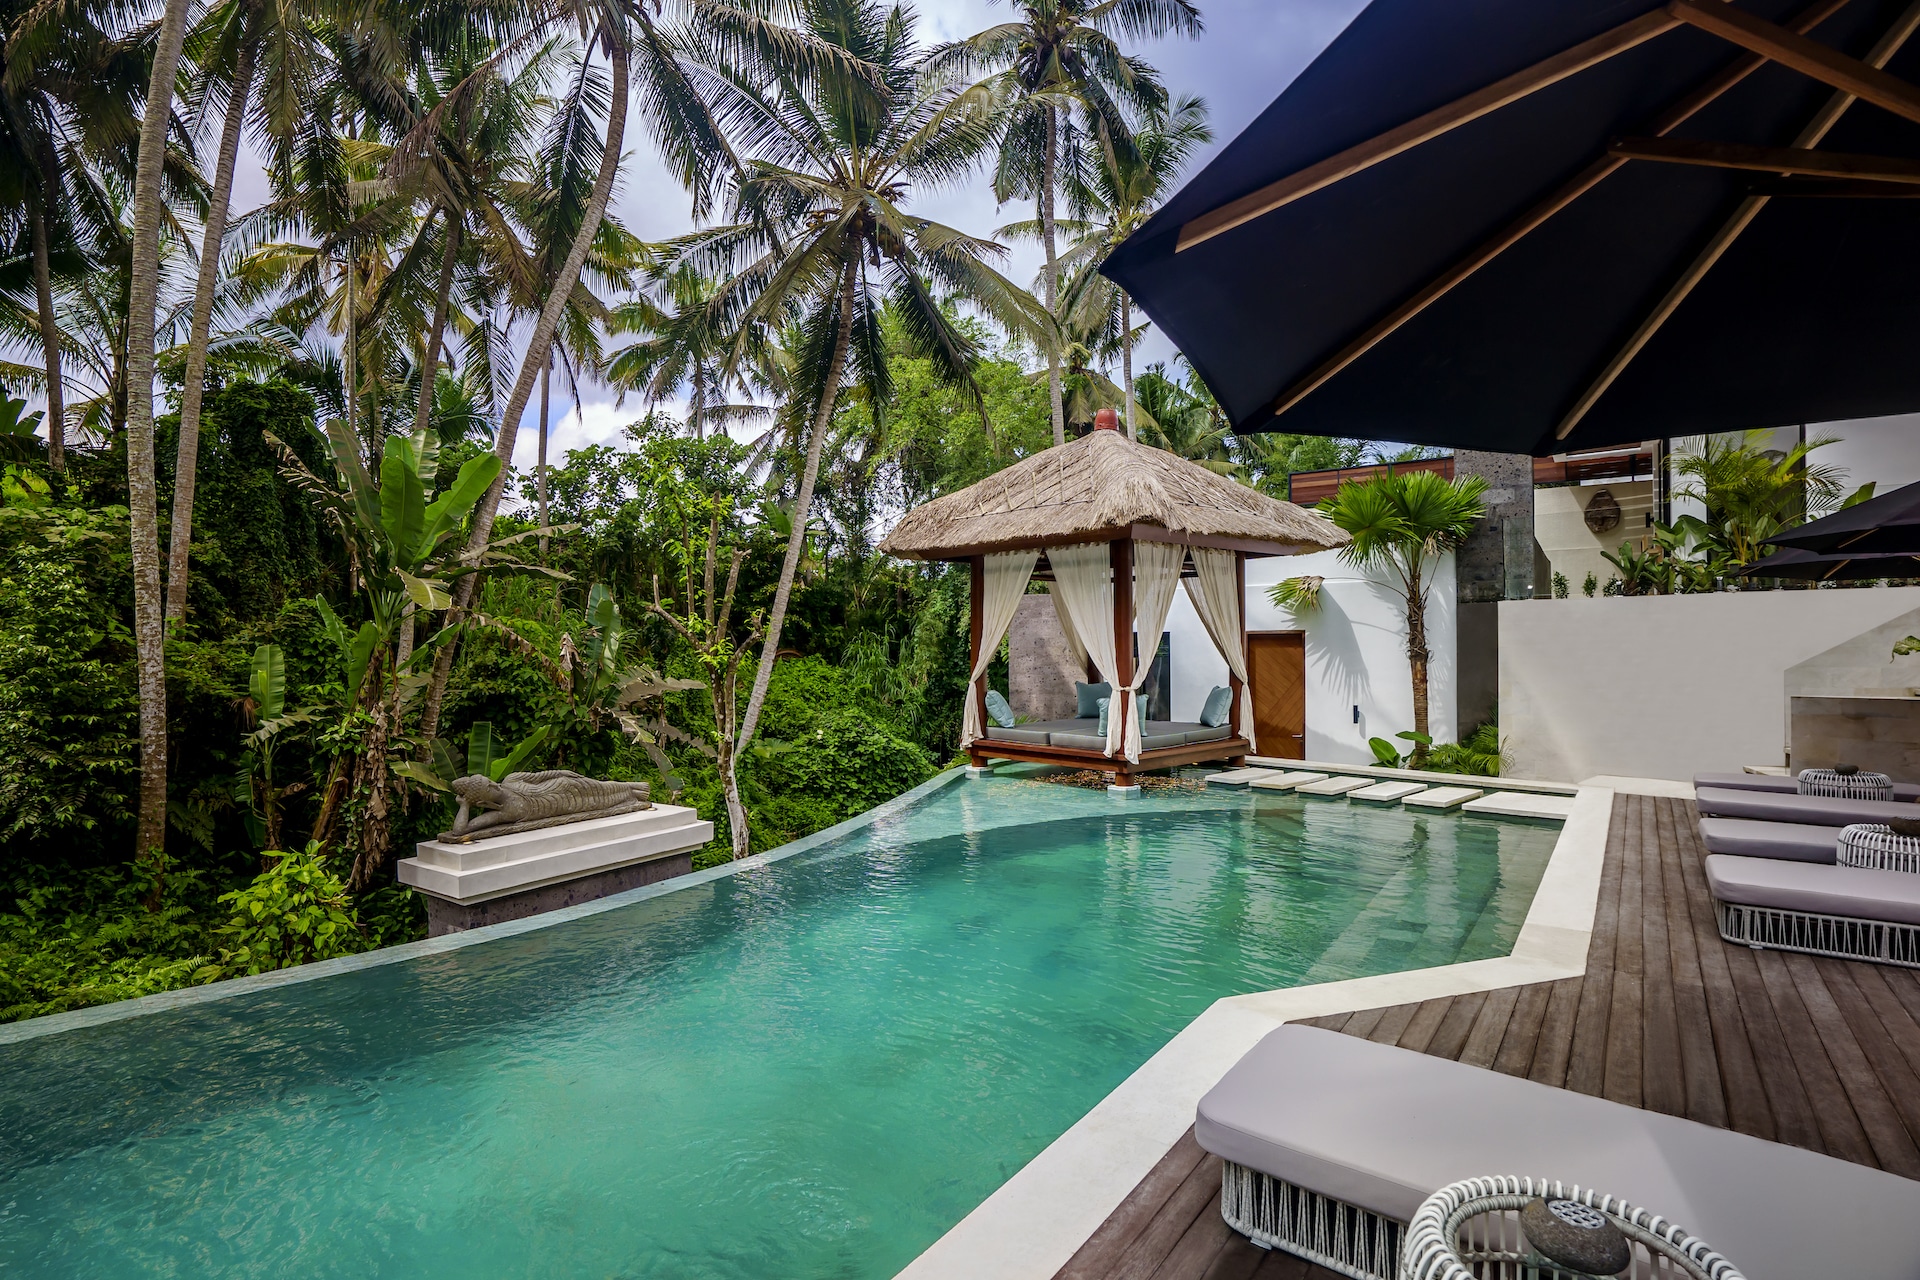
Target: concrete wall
[(1667, 686), (1356, 654), (1040, 668), (1560, 525)]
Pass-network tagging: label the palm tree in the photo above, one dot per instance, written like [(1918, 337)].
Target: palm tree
[(1055, 54), (688, 350), (819, 232), (1400, 525), (1180, 422), (1113, 194)]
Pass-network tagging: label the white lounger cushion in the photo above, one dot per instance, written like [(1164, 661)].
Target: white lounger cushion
[(1775, 783), (1821, 811), (1791, 841), (1859, 893), (1383, 1128)]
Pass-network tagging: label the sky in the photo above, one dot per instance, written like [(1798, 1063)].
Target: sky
[(1249, 52)]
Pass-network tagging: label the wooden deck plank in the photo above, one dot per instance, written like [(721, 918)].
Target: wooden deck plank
[(1363, 1022), (1524, 1024), (1706, 1100), (1873, 1112), (1626, 1028), (1425, 1022), (1198, 1194), (1898, 1022), (1239, 1258), (1202, 1243), (1104, 1248), (1750, 1105), (1450, 1037), (1393, 1023), (1489, 1028), (1838, 1129), (1587, 1054), (1881, 1054), (1553, 1047)]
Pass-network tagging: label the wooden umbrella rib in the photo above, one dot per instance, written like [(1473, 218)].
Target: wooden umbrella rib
[(1424, 128), (1678, 114), (1742, 217), (1729, 155), (1862, 79)]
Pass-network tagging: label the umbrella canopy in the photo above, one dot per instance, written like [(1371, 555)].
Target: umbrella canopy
[(1537, 226), (1796, 563), (1885, 525), (1100, 487)]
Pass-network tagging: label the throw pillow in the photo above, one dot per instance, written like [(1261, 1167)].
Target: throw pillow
[(1102, 705), (1139, 703), (1089, 696), (1218, 709), (998, 710)]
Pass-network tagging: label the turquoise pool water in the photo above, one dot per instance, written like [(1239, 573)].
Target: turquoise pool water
[(811, 1069)]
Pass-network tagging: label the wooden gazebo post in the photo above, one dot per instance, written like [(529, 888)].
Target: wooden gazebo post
[(1121, 557), (1234, 682)]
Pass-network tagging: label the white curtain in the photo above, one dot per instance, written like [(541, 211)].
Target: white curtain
[(1156, 576), (1083, 586), (1215, 591), (1074, 647), (1006, 581)]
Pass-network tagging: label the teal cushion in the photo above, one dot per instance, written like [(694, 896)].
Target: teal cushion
[(1139, 703), (1089, 696), (998, 711), (1218, 709)]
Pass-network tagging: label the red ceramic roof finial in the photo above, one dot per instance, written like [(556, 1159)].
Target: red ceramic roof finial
[(1106, 420)]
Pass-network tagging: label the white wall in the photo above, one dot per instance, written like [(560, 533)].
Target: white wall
[(1356, 654), (1666, 686), (1883, 450), (1560, 527)]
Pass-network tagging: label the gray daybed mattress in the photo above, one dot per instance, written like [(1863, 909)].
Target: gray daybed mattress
[(1789, 841), (1779, 785), (1858, 893), (1037, 733), (1382, 1128), (1082, 734), (1823, 811)]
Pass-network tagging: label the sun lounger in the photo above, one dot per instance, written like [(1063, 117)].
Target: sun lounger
[(1821, 811), (1788, 841), (1779, 785), (1851, 912), (1332, 1142)]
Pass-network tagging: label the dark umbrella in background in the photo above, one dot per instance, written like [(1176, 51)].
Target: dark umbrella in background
[(1885, 525), (1537, 226), (1815, 567)]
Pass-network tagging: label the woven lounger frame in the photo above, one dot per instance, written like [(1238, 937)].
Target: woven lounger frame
[(1339, 1236), (1842, 936)]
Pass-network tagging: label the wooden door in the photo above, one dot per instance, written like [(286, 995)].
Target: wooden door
[(1277, 663)]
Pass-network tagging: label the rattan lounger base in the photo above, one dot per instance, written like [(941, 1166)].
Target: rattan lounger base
[(1336, 1235), (1776, 929)]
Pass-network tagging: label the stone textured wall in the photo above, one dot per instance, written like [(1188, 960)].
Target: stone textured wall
[(1496, 562), (1040, 670)]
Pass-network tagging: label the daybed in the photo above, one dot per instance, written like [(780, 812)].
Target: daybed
[(1750, 838), (1780, 785), (1856, 913), (1084, 735), (1825, 811), (1332, 1142)]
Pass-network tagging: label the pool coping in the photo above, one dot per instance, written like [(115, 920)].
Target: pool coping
[(1033, 1224), (186, 997)]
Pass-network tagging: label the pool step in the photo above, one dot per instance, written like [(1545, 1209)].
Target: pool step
[(1387, 792), (1336, 786), (1444, 797), (1287, 781), (1521, 804), (1239, 777)]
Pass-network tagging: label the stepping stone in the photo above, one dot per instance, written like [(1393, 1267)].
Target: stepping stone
[(1287, 781), (1387, 792), (1445, 797), (1521, 804), (1239, 777), (1332, 786)]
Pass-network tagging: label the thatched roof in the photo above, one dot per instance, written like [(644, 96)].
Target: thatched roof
[(1092, 489)]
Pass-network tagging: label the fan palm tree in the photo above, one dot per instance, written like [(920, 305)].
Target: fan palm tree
[(1053, 55), (819, 232), (1400, 525)]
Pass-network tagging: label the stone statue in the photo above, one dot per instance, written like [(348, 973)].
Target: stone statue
[(530, 801)]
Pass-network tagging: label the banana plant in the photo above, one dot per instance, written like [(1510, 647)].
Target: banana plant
[(484, 757), (269, 716), (608, 688)]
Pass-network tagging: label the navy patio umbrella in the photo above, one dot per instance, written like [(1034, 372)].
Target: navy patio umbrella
[(1537, 226), (1841, 567), (1888, 524)]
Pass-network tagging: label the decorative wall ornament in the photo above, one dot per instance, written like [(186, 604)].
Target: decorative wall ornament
[(1603, 512)]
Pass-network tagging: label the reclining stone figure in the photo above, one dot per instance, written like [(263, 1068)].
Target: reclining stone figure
[(530, 801)]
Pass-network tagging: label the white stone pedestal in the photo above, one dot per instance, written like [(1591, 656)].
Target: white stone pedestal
[(511, 877)]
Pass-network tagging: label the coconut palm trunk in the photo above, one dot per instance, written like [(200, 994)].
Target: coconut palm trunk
[(539, 347), (796, 541), (1052, 163), (187, 458), (49, 343), (540, 464), (1418, 658), (436, 332)]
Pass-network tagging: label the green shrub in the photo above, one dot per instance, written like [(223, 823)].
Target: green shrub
[(294, 912), (1479, 753)]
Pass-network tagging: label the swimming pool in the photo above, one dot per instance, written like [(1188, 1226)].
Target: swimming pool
[(810, 1069)]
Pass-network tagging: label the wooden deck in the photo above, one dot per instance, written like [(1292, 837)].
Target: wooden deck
[(1822, 1054)]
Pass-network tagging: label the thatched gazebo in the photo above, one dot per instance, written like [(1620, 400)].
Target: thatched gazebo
[(1113, 526)]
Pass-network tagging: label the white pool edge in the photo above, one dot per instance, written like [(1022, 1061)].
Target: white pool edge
[(186, 997), (1038, 1219)]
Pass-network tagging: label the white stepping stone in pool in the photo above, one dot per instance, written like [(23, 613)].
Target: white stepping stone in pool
[(1239, 777), (1387, 792), (1332, 786), (1287, 781), (1521, 804), (1444, 797)]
